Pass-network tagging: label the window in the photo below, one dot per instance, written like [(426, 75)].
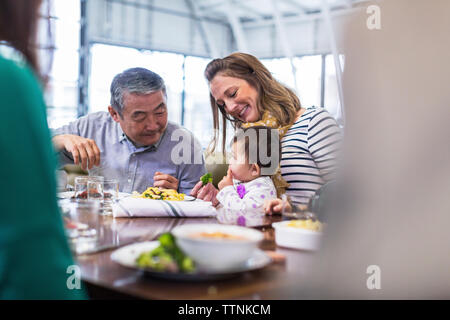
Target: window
[(57, 42), (197, 108), (309, 74), (61, 92), (332, 102), (281, 70), (309, 80)]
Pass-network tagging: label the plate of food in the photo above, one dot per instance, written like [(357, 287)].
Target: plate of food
[(165, 259), (156, 193)]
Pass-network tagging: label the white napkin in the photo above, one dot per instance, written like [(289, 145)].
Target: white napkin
[(139, 207)]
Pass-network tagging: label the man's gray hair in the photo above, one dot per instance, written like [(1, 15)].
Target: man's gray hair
[(137, 81)]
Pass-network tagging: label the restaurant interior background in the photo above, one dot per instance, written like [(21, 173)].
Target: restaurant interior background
[(300, 42), (93, 40)]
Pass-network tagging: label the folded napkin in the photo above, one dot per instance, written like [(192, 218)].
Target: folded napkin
[(139, 207)]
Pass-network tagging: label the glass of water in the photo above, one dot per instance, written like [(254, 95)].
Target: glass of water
[(95, 190), (82, 224), (110, 195), (83, 191)]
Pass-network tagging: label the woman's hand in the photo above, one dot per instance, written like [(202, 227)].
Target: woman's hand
[(276, 206), (206, 193)]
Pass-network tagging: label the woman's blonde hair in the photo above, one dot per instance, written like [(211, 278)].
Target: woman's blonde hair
[(273, 96)]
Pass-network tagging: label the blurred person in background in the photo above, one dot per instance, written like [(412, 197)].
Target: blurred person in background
[(34, 254), (388, 234)]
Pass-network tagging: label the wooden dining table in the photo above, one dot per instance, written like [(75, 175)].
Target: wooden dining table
[(106, 279)]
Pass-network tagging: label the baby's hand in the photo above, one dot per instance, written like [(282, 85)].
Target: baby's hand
[(226, 181), (276, 206)]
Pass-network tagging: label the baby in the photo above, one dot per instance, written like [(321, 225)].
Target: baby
[(248, 184)]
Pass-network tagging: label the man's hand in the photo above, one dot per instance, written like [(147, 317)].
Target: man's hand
[(84, 151), (206, 193), (165, 181), (226, 181)]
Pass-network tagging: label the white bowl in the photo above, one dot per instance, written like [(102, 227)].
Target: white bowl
[(296, 238), (217, 253)]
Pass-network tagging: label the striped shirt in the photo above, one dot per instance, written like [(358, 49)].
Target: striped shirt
[(309, 150)]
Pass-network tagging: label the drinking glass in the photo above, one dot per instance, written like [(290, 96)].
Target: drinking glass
[(298, 211), (82, 224), (110, 195), (95, 190), (81, 186)]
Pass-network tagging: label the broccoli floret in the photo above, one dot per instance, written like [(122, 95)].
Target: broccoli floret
[(167, 240), (206, 178), (144, 260), (166, 257), (187, 265)]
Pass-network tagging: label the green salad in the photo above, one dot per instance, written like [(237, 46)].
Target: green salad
[(167, 257)]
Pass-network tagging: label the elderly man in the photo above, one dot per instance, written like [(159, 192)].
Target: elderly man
[(134, 141)]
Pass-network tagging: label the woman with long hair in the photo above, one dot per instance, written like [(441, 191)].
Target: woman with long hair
[(35, 256), (244, 92)]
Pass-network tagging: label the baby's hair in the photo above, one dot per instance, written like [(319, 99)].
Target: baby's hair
[(255, 152)]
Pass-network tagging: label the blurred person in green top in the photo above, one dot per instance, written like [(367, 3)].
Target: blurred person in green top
[(34, 254)]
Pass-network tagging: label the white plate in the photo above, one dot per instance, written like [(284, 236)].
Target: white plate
[(126, 256), (69, 194)]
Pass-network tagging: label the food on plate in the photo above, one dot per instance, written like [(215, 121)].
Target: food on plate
[(156, 193), (167, 257), (309, 224), (206, 178), (217, 235)]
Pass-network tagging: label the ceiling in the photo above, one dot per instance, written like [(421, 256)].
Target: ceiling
[(214, 28), (263, 10)]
